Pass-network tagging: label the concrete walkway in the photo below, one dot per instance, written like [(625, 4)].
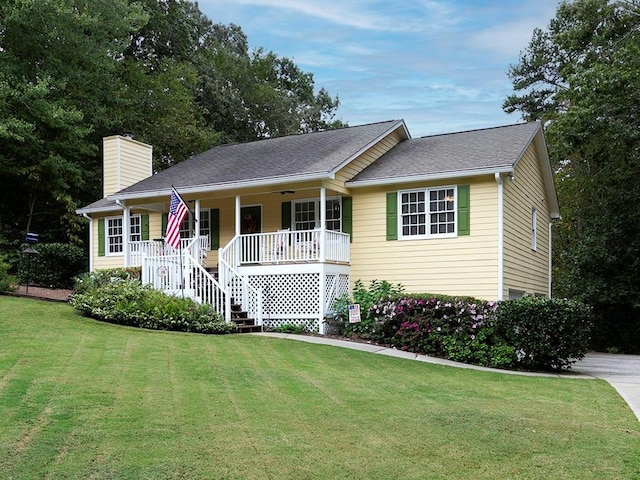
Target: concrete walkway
[(622, 372)]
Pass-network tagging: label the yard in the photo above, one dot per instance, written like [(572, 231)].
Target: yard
[(83, 399)]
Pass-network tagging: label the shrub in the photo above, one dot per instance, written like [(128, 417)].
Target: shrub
[(461, 329), (127, 302), (367, 298), (291, 328), (55, 265), (545, 333), (7, 282), (91, 280)]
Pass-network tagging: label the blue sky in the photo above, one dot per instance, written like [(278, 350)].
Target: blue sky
[(438, 64)]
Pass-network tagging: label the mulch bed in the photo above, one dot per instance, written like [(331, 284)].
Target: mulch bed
[(51, 294)]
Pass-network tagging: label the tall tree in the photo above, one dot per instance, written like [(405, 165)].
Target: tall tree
[(56, 77), (581, 77)]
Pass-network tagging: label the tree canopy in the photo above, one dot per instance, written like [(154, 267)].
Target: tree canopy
[(75, 71), (581, 77)]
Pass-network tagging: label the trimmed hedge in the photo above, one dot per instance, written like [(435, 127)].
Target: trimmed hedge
[(545, 332), (55, 265), (127, 302)]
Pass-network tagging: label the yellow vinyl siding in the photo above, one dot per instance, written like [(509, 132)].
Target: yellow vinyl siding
[(525, 269), (464, 265), (126, 162)]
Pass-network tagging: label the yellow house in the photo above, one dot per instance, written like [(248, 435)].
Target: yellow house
[(282, 227)]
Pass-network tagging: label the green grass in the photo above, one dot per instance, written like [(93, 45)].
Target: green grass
[(87, 400)]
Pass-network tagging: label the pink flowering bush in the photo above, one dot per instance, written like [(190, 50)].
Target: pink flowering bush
[(460, 329)]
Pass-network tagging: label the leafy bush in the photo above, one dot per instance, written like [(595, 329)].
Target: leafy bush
[(55, 265), (7, 282), (291, 328), (91, 280), (461, 329), (545, 333), (127, 302), (367, 299)]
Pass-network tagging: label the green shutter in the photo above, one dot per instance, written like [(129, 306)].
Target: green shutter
[(215, 228), (347, 216), (286, 215), (165, 219), (392, 216), (144, 227), (464, 218), (101, 237)]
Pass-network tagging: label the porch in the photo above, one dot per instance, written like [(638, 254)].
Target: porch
[(275, 278)]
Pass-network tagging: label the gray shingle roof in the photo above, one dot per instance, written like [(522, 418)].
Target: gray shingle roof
[(270, 161), (453, 154)]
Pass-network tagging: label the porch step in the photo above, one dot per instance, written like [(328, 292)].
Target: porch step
[(244, 324)]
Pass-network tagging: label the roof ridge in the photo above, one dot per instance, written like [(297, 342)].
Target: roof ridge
[(480, 129), (305, 133)]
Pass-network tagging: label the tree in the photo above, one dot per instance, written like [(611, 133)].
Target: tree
[(56, 77), (581, 77)]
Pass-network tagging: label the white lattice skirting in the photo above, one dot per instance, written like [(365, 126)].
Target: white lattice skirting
[(297, 299)]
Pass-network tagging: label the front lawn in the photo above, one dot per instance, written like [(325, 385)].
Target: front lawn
[(83, 399)]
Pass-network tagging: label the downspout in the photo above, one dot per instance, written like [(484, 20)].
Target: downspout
[(90, 240), (500, 236), (126, 231), (550, 259)]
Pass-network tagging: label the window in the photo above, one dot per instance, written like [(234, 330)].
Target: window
[(187, 228), (534, 228), (306, 214), (135, 234), (114, 228), (114, 235), (429, 212)]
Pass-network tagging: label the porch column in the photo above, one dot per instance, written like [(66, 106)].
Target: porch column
[(238, 250), (323, 222), (126, 233), (237, 215), (196, 233)]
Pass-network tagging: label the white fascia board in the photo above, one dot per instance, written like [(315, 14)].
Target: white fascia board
[(393, 128), (217, 187), (429, 177), (112, 208)]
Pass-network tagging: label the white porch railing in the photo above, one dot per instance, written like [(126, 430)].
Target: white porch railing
[(287, 246), (196, 247), (173, 275)]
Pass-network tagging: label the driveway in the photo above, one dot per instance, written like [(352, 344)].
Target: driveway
[(622, 372)]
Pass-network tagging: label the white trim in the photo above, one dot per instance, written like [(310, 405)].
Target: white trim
[(90, 241), (428, 177), (107, 244), (498, 178), (427, 213), (118, 159)]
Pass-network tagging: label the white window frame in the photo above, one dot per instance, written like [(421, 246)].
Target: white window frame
[(316, 203), (188, 227), (534, 228), (428, 224), (135, 222)]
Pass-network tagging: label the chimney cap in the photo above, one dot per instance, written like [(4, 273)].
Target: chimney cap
[(128, 135)]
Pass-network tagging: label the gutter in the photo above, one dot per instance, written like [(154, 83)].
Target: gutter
[(429, 177)]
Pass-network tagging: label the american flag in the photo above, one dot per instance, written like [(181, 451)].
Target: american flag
[(177, 211)]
